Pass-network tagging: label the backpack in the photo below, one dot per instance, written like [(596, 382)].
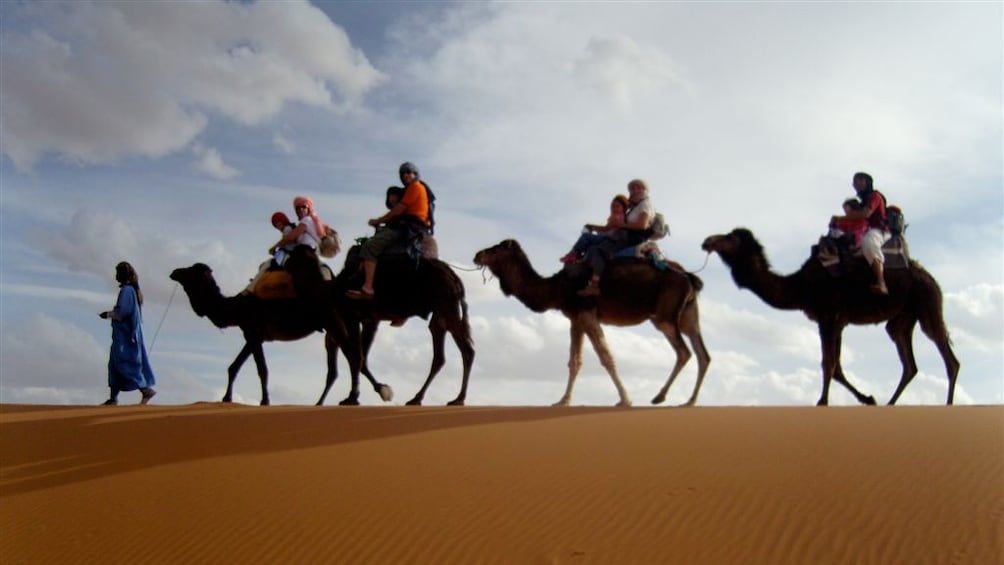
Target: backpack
[(659, 227), (432, 207), (895, 220), (330, 244)]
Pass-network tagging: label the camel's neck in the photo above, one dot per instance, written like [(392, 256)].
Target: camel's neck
[(779, 291), (223, 312), (519, 279)]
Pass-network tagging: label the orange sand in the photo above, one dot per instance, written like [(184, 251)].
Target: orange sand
[(211, 483)]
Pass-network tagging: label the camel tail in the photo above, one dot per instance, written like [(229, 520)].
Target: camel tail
[(696, 282)]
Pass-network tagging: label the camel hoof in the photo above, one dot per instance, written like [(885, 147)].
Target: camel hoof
[(870, 401), (562, 402), (386, 393), (227, 399), (659, 399), (264, 402), (822, 402), (623, 403), (414, 402), (456, 402), (350, 401)]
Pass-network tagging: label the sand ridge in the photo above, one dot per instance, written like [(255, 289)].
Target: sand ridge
[(211, 482)]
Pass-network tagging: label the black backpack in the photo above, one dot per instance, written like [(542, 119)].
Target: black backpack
[(894, 220), (432, 207)]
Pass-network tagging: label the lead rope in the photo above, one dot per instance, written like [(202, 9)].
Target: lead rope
[(162, 318), (706, 257)]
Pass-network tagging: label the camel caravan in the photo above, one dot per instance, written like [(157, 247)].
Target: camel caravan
[(615, 274)]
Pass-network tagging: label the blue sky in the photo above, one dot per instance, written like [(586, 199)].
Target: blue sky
[(167, 133)]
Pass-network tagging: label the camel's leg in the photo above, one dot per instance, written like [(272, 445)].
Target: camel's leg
[(369, 329), (828, 332), (331, 351), (672, 333), (438, 358), (595, 334), (838, 375), (461, 332), (933, 327), (259, 360), (691, 327), (233, 369), (347, 336), (900, 330), (574, 362)]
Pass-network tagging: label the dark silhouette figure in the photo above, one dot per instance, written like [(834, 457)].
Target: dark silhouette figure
[(404, 287), (264, 320), (632, 292), (834, 302)]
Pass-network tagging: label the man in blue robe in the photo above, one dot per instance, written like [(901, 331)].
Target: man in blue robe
[(128, 363)]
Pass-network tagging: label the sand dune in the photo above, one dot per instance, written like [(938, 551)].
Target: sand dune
[(230, 483)]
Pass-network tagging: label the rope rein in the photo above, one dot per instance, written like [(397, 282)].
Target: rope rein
[(162, 318)]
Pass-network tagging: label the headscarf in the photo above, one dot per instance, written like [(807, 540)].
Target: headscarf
[(280, 217), (641, 183), (322, 229), (407, 167), (126, 275)]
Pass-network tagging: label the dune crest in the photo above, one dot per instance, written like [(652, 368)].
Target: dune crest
[(209, 482)]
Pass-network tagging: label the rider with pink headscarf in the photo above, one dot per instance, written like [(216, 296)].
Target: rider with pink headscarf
[(309, 230)]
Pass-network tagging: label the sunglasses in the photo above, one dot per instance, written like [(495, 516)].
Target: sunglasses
[(301, 206)]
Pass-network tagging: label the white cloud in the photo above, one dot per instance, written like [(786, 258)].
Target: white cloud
[(211, 162), (44, 352), (283, 144), (95, 81)]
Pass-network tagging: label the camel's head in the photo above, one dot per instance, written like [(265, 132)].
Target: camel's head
[(739, 241), (196, 280), (493, 257)]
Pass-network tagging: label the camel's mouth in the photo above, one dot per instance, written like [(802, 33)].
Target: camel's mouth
[(709, 242), (479, 258)]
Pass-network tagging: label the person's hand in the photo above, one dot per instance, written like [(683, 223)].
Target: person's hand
[(271, 250), (374, 222), (103, 315)]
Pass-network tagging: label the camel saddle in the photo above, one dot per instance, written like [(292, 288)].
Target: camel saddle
[(832, 252), (278, 283)]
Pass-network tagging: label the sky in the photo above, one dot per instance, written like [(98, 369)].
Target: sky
[(167, 133)]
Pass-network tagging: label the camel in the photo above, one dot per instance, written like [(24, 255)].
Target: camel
[(404, 288), (631, 292), (270, 320), (834, 302)]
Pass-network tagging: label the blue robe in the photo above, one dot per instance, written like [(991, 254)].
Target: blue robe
[(128, 365)]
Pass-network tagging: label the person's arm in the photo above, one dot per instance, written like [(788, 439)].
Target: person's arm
[(124, 307), (288, 237), (394, 212), (864, 212)]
